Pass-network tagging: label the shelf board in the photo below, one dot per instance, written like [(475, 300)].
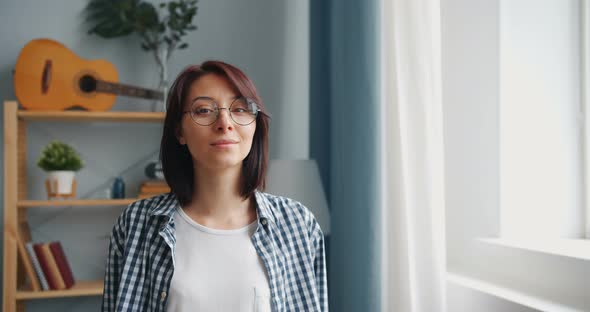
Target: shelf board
[(81, 116), (80, 288), (75, 202)]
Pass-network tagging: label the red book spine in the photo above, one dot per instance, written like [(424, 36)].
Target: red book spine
[(62, 263), (44, 267)]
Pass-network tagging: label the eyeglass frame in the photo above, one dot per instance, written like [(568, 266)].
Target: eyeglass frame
[(218, 110)]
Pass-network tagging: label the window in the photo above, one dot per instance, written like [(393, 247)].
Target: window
[(543, 150)]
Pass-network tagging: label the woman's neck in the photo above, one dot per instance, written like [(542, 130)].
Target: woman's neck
[(217, 201)]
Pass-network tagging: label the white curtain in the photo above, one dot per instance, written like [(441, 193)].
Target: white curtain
[(412, 155)]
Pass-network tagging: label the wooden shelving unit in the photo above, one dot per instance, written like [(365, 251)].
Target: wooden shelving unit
[(74, 202), (16, 290), (82, 116), (81, 288)]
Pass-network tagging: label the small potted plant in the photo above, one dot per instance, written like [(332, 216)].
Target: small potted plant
[(61, 162)]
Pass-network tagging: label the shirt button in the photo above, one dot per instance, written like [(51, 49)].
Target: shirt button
[(163, 295), (263, 221)]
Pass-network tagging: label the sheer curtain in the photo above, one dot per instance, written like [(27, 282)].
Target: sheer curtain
[(412, 158)]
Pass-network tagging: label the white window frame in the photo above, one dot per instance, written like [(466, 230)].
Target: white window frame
[(585, 106)]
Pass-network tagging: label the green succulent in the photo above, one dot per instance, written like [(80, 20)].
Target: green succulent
[(59, 156), (116, 18)]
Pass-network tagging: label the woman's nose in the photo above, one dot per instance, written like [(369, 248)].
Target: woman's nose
[(224, 119)]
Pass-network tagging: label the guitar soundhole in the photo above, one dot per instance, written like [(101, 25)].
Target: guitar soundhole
[(87, 83)]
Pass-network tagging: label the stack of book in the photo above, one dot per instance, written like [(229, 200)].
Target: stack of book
[(51, 267), (152, 188)]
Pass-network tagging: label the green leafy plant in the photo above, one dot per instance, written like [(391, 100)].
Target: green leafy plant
[(116, 18), (59, 156), (161, 29)]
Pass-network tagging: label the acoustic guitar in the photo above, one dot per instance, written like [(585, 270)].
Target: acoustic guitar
[(49, 76)]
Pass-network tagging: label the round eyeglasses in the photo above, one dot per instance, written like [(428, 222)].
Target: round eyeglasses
[(205, 112)]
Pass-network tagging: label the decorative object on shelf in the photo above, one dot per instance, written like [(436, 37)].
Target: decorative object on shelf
[(160, 33), (48, 77), (31, 256), (61, 162), (107, 193), (29, 265), (303, 185), (51, 265), (154, 170), (152, 188), (118, 188)]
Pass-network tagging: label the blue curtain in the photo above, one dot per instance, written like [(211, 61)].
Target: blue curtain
[(345, 108)]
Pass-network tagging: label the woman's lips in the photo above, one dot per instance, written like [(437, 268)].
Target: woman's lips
[(223, 144)]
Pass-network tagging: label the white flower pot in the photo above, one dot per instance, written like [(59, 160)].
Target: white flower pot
[(63, 179)]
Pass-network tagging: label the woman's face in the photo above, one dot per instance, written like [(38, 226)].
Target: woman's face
[(205, 142)]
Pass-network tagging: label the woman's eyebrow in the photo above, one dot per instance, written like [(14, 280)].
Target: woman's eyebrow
[(210, 98), (201, 98)]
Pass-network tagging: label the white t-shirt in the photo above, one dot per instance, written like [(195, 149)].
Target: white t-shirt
[(216, 270)]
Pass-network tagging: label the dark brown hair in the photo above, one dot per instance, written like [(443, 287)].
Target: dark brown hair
[(177, 163)]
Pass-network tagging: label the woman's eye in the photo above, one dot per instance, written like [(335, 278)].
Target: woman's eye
[(203, 111), (240, 110)]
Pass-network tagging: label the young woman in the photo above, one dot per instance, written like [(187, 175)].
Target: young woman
[(215, 242)]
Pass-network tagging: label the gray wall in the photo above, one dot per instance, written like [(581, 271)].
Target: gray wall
[(268, 39), (320, 88)]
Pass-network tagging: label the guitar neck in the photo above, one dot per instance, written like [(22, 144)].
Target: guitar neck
[(127, 90)]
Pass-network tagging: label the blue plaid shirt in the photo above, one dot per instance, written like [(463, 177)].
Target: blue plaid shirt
[(140, 262)]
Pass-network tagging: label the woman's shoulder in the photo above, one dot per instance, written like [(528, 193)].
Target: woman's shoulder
[(286, 211), (282, 205), (140, 209)]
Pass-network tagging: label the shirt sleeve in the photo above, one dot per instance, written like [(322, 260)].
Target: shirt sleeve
[(319, 264), (114, 266)]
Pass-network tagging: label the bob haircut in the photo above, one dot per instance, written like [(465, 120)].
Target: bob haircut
[(177, 163)]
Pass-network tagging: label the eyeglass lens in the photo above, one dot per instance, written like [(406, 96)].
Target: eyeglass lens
[(205, 111)]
